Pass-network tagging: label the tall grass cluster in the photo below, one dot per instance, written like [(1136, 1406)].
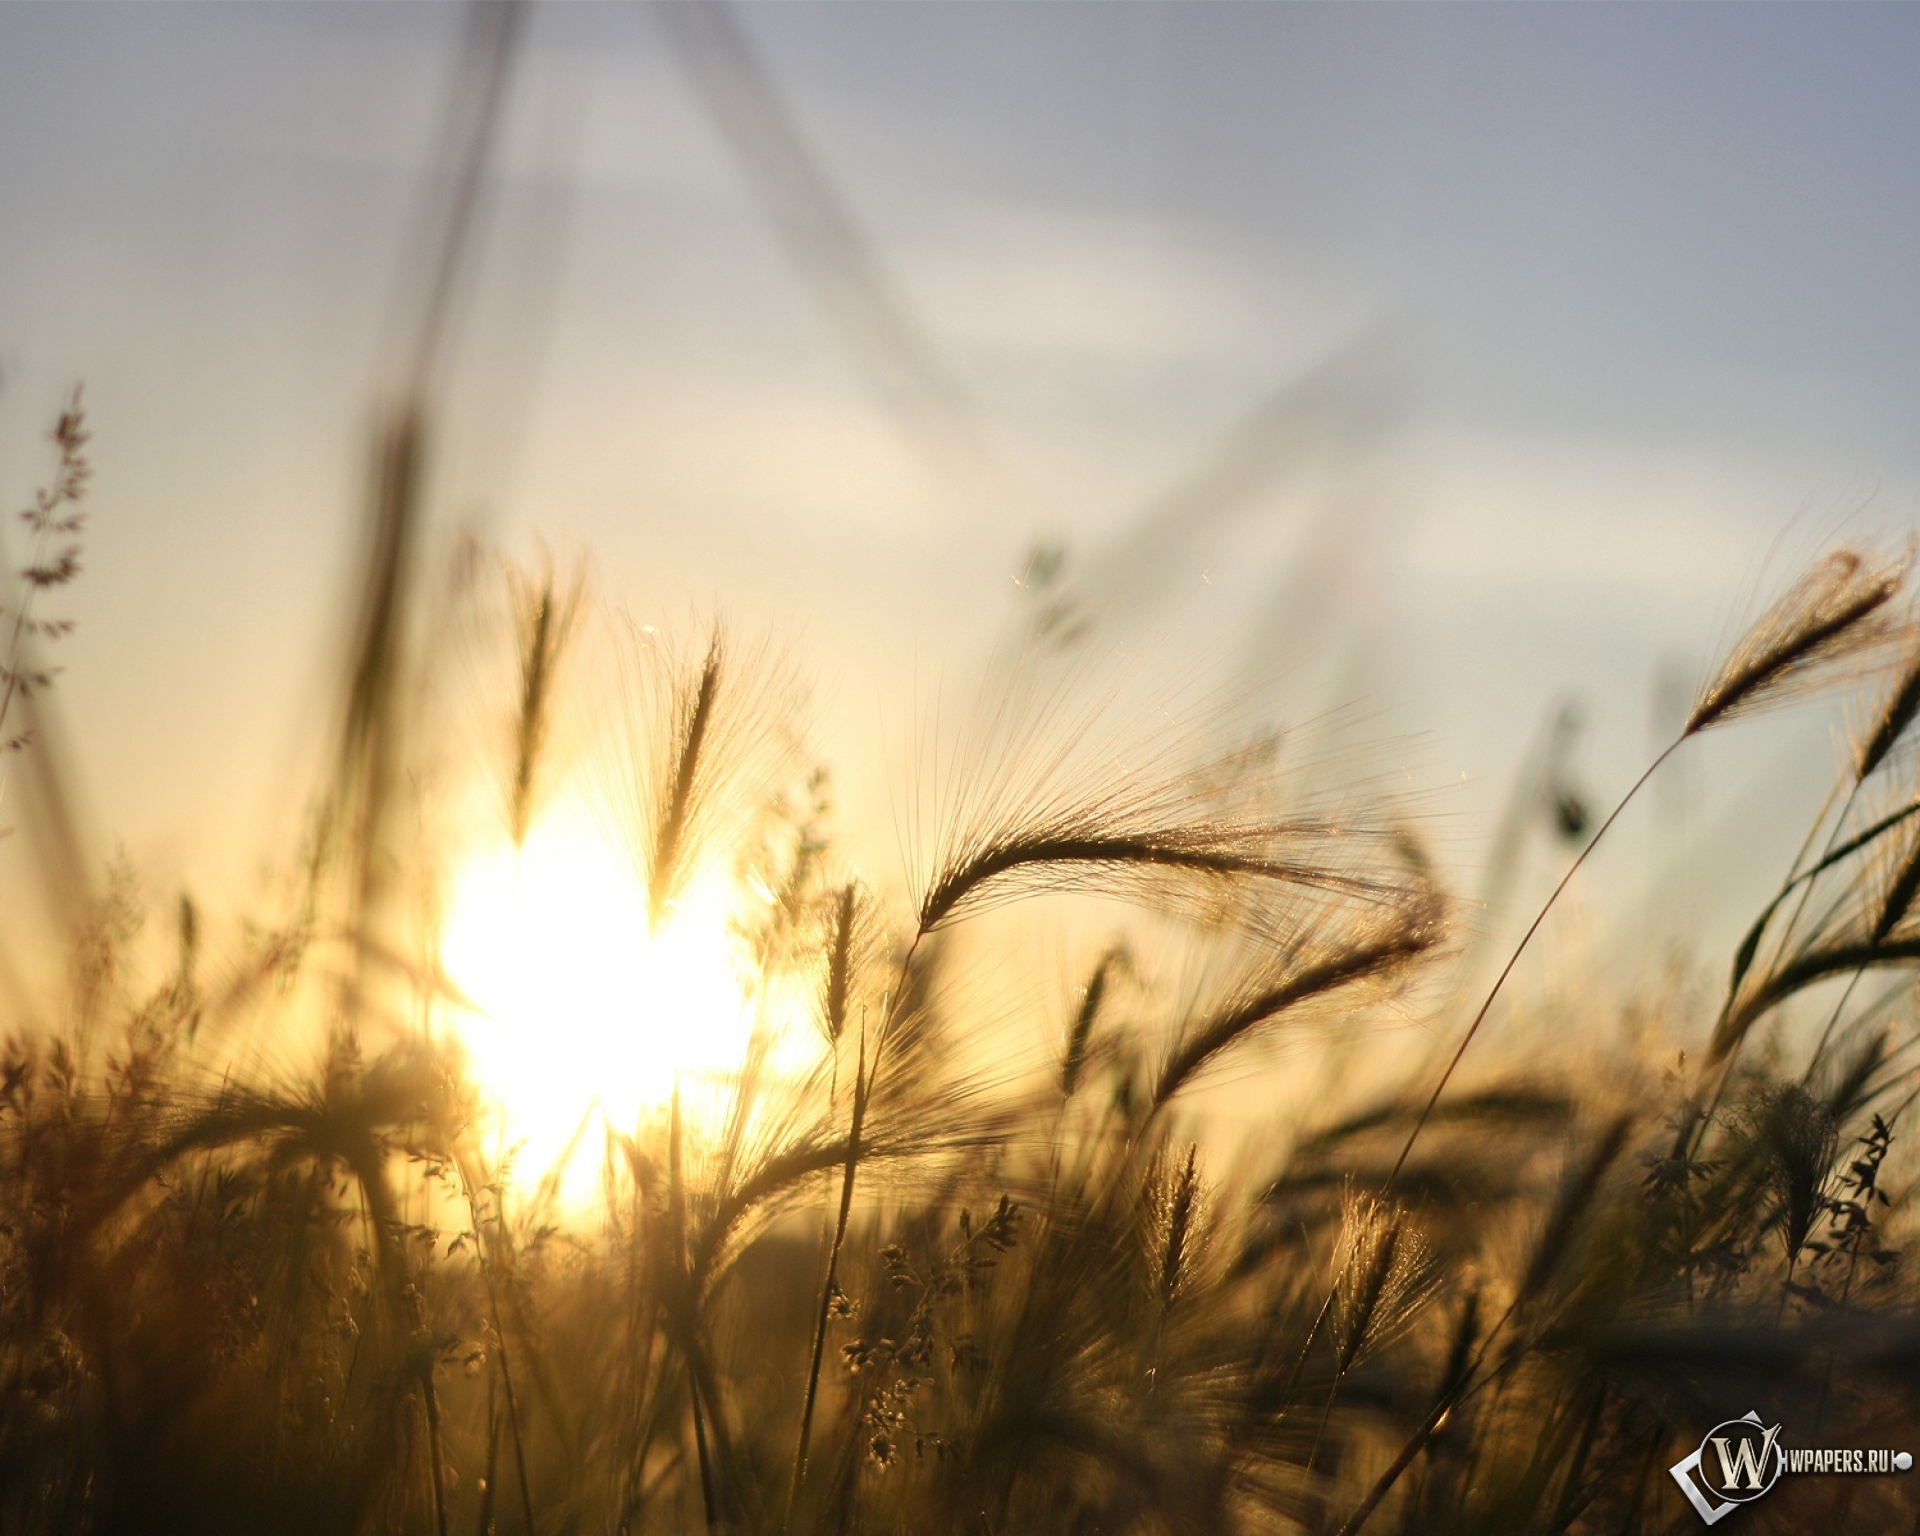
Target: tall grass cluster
[(267, 1266)]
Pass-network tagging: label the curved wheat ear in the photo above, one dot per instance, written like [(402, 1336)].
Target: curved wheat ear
[(846, 951), (1052, 795), (1901, 889), (1881, 937), (1831, 615), (1902, 705), (1802, 971), (1798, 1135), (1180, 1206), (1080, 1034), (1372, 947), (692, 718), (544, 619), (1044, 853), (703, 738), (1383, 1273)]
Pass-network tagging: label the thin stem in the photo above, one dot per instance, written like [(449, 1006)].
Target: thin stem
[(1467, 1383), (1806, 889), (500, 1343), (483, 1521), (1828, 856), (862, 1088), (1513, 959), (700, 1450), (865, 1075), (66, 489), (1826, 1035), (21, 618), (1416, 1443), (680, 1307), (1813, 966), (435, 1463)]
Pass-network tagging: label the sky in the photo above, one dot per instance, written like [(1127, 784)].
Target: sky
[(1436, 363)]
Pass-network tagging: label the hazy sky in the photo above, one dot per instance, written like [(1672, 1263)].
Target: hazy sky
[(1602, 300)]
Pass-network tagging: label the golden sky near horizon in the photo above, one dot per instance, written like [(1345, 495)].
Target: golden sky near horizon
[(1548, 322)]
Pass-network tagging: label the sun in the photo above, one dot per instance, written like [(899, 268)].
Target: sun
[(578, 1012)]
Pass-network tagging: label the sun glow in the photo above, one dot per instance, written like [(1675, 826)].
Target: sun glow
[(577, 1009)]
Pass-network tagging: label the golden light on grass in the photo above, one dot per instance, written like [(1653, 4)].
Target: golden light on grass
[(578, 1010)]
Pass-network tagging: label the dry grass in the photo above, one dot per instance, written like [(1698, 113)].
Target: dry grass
[(898, 1289)]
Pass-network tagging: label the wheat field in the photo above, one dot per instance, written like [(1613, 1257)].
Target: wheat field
[(297, 1233)]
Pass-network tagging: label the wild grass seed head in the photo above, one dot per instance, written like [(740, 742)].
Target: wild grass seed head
[(1833, 615)]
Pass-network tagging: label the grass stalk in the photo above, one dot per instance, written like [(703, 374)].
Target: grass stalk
[(1513, 959), (862, 1087)]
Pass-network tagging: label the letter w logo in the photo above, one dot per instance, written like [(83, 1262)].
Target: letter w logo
[(1745, 1463)]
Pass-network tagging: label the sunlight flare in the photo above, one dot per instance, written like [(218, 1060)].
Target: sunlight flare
[(577, 1010)]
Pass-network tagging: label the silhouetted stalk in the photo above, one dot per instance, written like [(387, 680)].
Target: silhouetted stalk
[(1463, 1372), (1814, 965), (1513, 959), (483, 1521), (1358, 963), (1383, 1485), (663, 872), (1802, 879), (1284, 1398), (54, 512), (1833, 1020), (1462, 1361), (1080, 1033), (1571, 1501), (1805, 880), (544, 621), (432, 1402), (487, 1263), (680, 1304), (862, 1085), (370, 748), (1894, 906), (1167, 849), (369, 758), (700, 1451)]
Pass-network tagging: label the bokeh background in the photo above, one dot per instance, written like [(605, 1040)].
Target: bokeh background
[(1450, 365)]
